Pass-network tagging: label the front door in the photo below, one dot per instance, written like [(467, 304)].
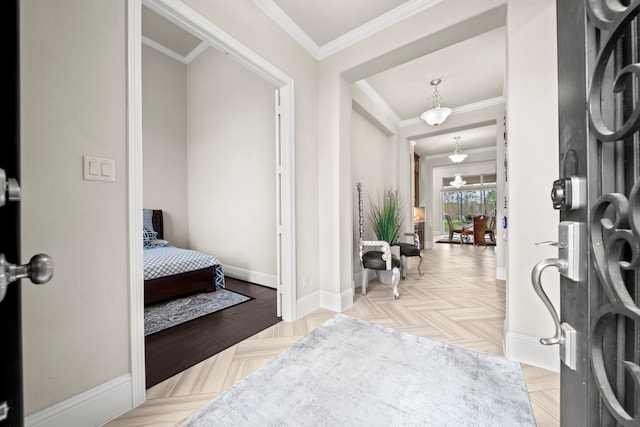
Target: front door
[(599, 118), (11, 408)]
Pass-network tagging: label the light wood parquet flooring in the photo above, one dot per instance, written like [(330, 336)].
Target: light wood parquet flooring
[(457, 300)]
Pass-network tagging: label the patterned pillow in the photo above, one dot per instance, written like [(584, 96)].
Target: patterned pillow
[(147, 237)]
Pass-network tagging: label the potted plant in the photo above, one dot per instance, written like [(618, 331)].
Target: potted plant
[(386, 218)]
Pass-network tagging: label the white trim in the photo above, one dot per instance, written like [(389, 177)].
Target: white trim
[(380, 23), (429, 245), (181, 14), (378, 100), (527, 349), (93, 407), (501, 273), (485, 103), (160, 48), (472, 151), (308, 303), (196, 52), (264, 279), (289, 26), (134, 170), (336, 301)]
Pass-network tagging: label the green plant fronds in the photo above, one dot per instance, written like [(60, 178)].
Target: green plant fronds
[(386, 216)]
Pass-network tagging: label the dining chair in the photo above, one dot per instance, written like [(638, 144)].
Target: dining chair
[(464, 232), (480, 229), (491, 230)]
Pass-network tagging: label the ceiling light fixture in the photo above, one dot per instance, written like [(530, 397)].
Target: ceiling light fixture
[(436, 115), (457, 155), (458, 181)]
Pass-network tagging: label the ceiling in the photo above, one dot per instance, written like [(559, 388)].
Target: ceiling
[(472, 71)]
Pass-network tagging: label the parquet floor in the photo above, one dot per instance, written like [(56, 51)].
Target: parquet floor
[(457, 300)]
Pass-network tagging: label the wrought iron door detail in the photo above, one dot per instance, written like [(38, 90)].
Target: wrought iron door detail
[(614, 116)]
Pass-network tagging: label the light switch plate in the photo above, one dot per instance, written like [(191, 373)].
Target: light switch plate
[(98, 169)]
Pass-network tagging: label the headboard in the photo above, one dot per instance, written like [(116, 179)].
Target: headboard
[(156, 220)]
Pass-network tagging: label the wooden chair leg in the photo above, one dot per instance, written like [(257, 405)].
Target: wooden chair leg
[(419, 264), (404, 266)]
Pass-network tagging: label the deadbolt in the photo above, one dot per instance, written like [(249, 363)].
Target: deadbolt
[(9, 188), (568, 193)]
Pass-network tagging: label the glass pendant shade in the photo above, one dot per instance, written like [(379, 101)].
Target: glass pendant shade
[(457, 155), (436, 116), (458, 181)]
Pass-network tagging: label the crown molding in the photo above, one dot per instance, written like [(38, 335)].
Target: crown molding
[(289, 26), (472, 151), (380, 23), (486, 103), (378, 101), (196, 52), (160, 48)]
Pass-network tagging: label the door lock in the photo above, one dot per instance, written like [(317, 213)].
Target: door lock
[(9, 188), (568, 193), (39, 270)]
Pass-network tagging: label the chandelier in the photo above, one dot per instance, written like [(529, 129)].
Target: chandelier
[(436, 115), (457, 155), (458, 181)]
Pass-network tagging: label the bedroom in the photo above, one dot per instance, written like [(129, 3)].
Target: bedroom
[(217, 196)]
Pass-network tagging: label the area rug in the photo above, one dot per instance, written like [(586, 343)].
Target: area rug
[(355, 373), (164, 315)]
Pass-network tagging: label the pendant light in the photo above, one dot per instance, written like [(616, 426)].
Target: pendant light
[(436, 115), (458, 181), (457, 155)]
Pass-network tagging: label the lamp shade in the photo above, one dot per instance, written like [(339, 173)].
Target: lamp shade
[(436, 116), (458, 181), (457, 157)]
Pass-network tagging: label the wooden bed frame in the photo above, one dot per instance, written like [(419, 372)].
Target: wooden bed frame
[(163, 288)]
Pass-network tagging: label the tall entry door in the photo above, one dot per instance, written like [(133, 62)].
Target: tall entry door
[(598, 196), (11, 405)]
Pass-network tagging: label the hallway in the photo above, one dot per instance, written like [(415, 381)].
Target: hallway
[(457, 301)]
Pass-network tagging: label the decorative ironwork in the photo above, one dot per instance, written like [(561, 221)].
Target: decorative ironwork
[(615, 219), (614, 18)]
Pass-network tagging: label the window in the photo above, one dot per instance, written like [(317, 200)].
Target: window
[(463, 204)]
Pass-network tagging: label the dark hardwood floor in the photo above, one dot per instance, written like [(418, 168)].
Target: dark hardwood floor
[(175, 349)]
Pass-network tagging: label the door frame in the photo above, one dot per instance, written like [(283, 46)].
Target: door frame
[(186, 17)]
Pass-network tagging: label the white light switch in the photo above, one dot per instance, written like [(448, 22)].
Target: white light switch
[(98, 169)]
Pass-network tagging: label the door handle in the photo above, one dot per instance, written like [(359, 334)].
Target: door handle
[(39, 270), (536, 275), (569, 265)]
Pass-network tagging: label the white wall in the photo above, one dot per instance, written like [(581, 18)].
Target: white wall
[(73, 84), (532, 133), (231, 152), (371, 149), (164, 142), (268, 40)]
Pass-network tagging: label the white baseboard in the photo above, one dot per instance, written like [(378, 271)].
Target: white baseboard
[(429, 245), (501, 273), (336, 302), (263, 279), (308, 304), (527, 349), (94, 407)]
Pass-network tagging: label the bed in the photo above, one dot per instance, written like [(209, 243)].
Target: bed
[(170, 271)]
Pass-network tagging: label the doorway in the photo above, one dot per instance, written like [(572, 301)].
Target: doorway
[(285, 195)]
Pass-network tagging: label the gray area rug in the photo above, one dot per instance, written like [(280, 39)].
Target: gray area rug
[(350, 372), (164, 315)]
